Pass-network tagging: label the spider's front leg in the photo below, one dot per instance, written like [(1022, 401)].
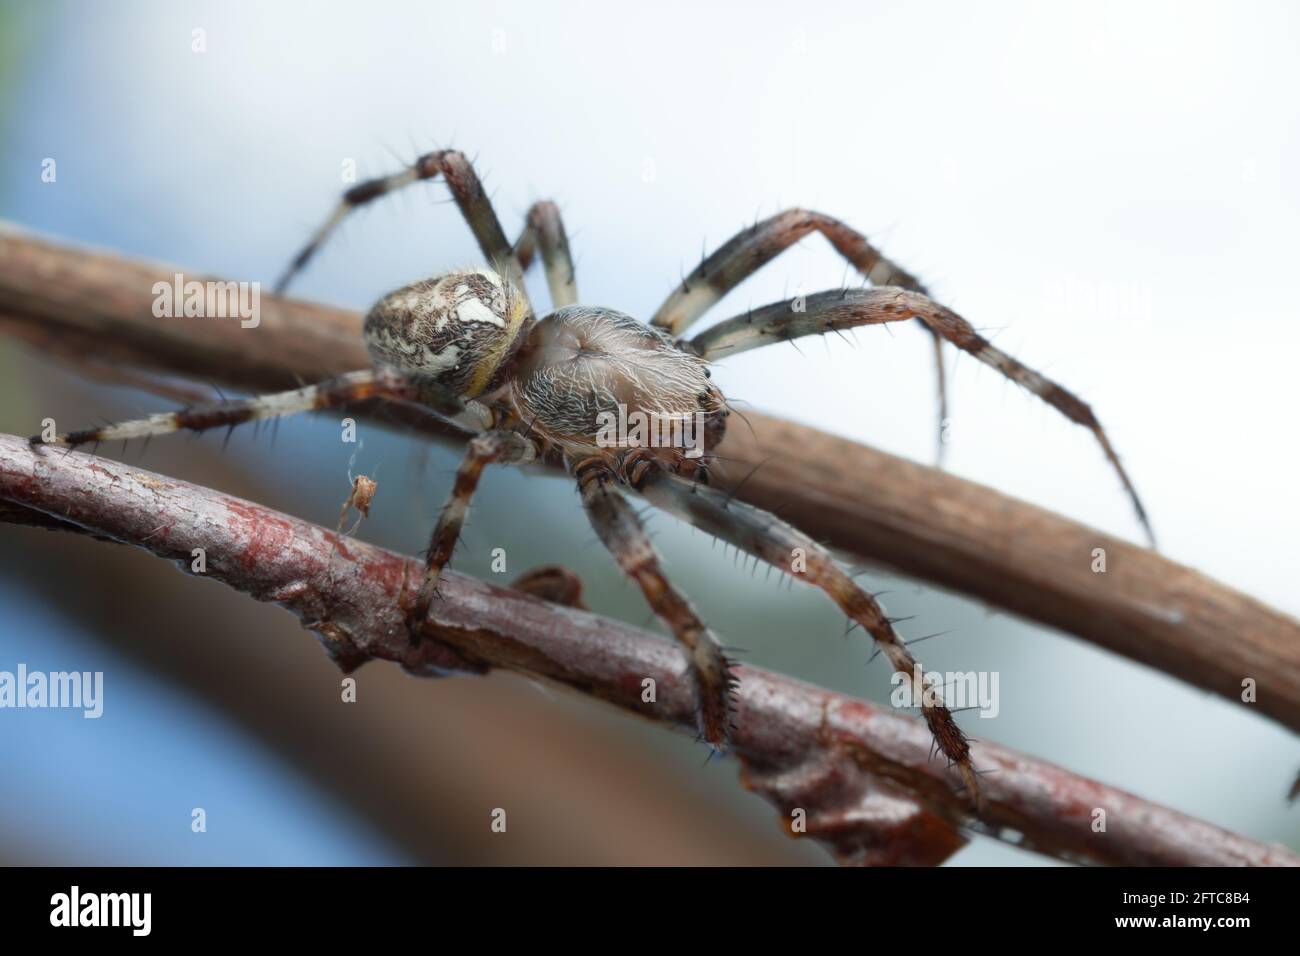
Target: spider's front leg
[(498, 446), (839, 309), (770, 539), (752, 248), (617, 525)]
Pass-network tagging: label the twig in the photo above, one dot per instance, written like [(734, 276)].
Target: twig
[(924, 522), (862, 776)]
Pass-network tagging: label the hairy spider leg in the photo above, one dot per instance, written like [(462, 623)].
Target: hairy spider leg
[(332, 393), (752, 248), (770, 539), (504, 447), (544, 229), (466, 189), (839, 309), (621, 531)]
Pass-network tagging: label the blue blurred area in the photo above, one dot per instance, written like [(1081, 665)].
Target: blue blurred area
[(121, 788)]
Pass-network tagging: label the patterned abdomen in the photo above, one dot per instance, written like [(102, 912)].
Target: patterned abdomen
[(457, 329)]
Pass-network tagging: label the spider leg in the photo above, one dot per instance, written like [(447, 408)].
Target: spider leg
[(752, 248), (840, 309), (333, 393), (466, 189), (617, 525), (505, 447), (543, 227), (770, 539)]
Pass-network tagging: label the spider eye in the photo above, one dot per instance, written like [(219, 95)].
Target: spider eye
[(456, 329)]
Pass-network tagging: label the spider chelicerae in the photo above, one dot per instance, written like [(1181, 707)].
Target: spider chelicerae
[(468, 346)]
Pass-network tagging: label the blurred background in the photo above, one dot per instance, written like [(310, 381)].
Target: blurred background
[(1102, 187)]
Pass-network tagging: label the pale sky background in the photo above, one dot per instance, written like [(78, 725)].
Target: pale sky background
[(1109, 187)]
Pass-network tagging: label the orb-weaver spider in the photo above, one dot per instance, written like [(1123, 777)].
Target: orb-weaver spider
[(468, 346)]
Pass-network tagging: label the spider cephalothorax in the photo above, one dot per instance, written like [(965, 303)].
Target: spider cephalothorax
[(600, 390), (597, 382)]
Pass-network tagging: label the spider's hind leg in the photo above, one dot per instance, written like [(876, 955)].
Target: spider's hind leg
[(466, 189), (333, 393), (618, 526), (544, 229), (504, 447)]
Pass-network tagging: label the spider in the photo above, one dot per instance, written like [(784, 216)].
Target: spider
[(468, 346)]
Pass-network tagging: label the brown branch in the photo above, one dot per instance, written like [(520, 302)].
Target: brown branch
[(923, 522), (863, 776), (404, 748)]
